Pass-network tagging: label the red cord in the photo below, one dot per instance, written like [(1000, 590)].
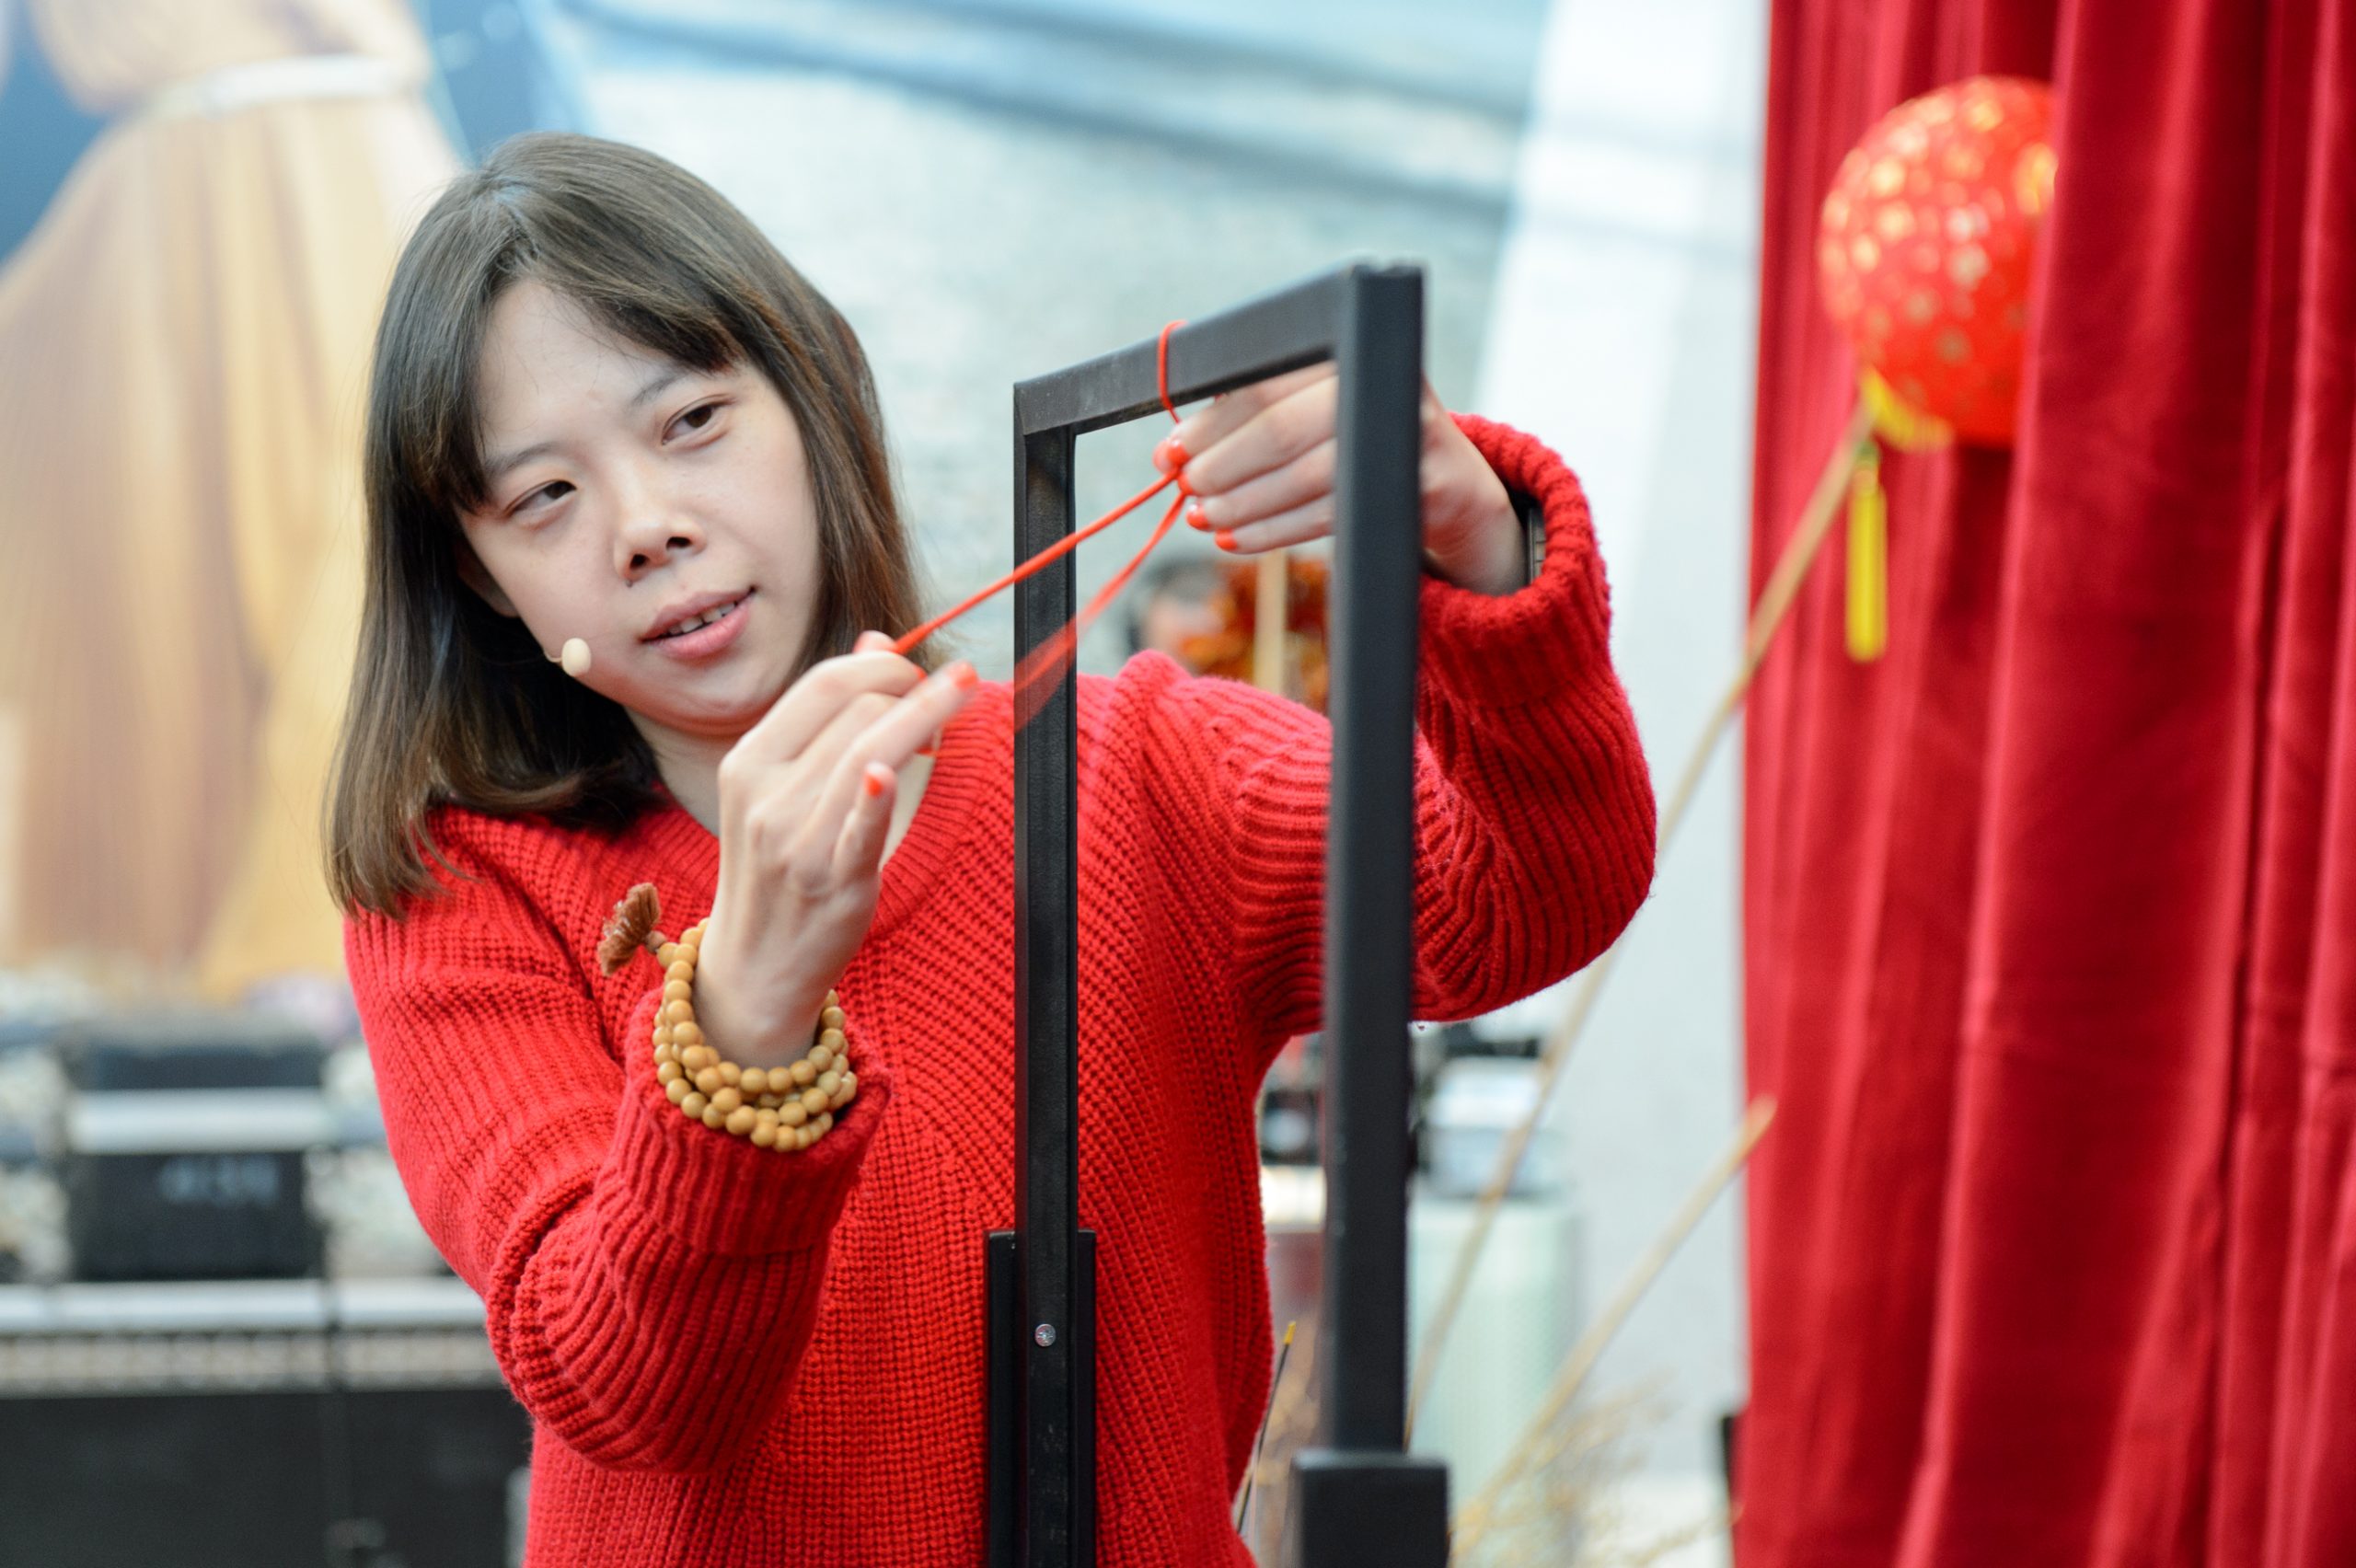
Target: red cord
[(1051, 657)]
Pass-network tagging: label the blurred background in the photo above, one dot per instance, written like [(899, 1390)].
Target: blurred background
[(208, 1274)]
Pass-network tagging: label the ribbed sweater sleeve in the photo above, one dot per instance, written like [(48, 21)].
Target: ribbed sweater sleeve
[(650, 1283), (1534, 818)]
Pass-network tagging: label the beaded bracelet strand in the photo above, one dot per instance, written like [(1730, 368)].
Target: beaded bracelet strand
[(788, 1108)]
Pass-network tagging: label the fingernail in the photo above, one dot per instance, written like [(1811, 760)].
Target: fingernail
[(1170, 455), (875, 778), (965, 675), (1224, 538), (1195, 519)]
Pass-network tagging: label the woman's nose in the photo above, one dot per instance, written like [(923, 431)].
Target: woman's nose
[(651, 533), (643, 549)]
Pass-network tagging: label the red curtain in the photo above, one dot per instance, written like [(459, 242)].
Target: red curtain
[(2050, 915)]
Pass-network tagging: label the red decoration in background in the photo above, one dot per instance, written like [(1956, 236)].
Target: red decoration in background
[(1926, 244), (1227, 652)]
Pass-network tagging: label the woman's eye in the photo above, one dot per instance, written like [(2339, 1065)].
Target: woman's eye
[(699, 417), (553, 490)]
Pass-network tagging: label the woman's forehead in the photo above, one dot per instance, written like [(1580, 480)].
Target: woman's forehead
[(547, 361)]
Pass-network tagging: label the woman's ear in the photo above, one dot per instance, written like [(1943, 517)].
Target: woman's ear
[(472, 572)]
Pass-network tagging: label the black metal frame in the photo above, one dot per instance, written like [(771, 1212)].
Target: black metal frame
[(1358, 1498)]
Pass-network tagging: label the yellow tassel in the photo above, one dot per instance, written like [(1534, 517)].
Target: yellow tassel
[(1899, 423), (1868, 557)]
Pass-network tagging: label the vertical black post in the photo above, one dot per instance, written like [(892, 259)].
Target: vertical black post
[(1051, 1494), (1358, 1499)]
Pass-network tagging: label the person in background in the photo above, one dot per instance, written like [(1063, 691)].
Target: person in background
[(186, 334), (1177, 600)]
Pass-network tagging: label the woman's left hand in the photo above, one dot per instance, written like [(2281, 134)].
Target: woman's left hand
[(1260, 461)]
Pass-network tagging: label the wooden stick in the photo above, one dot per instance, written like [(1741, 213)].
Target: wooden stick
[(1275, 1385), (1472, 1519), (1270, 620), (1775, 600)]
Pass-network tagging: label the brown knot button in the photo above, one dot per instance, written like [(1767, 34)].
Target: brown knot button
[(631, 927)]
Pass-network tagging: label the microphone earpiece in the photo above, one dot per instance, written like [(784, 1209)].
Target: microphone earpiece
[(575, 658)]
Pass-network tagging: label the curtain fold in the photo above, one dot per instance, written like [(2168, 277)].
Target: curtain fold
[(2049, 914)]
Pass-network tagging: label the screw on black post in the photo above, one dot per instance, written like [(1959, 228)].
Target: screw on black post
[(1358, 1498)]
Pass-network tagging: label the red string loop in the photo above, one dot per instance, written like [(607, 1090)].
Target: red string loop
[(1161, 367), (1045, 665)]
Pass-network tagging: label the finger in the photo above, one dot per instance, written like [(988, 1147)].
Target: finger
[(1270, 439), (823, 690), (1206, 428), (892, 736), (1298, 526), (794, 788), (1296, 484), (859, 848), (842, 731), (871, 642), (889, 741)]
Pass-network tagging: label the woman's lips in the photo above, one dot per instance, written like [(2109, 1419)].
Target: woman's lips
[(706, 640)]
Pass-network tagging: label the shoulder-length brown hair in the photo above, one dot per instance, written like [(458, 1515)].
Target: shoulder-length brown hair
[(452, 703)]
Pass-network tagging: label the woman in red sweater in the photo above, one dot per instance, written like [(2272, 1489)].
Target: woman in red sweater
[(605, 409)]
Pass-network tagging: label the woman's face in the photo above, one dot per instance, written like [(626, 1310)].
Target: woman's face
[(629, 498)]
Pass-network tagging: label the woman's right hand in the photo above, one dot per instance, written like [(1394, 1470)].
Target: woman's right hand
[(805, 809)]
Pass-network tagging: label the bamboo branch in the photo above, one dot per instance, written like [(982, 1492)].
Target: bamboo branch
[(1474, 1517)]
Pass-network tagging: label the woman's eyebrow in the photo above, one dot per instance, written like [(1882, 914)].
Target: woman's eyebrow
[(496, 469), (659, 383), (654, 386)]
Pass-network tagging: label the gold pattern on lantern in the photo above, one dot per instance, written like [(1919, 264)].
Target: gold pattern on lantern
[(1968, 266), (1963, 163), (1921, 306), (2033, 179), (1985, 113), (1908, 140), (1894, 221), (1888, 178), (1864, 253), (1953, 347), (1836, 210), (1877, 322)]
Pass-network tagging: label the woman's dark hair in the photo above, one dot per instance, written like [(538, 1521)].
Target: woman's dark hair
[(452, 703)]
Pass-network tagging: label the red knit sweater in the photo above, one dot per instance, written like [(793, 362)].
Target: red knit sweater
[(737, 1357)]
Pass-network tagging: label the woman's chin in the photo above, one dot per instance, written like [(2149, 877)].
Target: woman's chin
[(711, 718)]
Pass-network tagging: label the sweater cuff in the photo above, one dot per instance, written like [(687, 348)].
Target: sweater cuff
[(1500, 650), (723, 1195)]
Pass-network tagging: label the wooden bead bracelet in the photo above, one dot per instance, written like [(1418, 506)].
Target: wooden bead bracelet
[(788, 1108)]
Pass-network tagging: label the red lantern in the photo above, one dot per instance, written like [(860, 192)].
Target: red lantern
[(1927, 242)]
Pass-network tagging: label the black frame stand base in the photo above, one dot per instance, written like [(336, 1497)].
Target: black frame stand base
[(1375, 1509)]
